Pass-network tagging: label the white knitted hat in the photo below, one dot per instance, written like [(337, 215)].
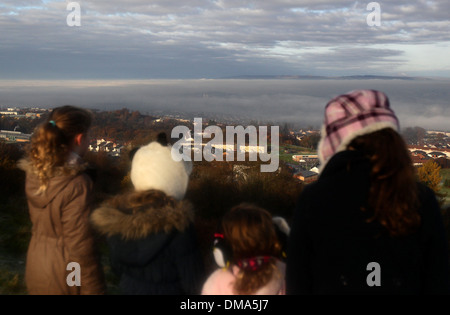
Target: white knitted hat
[(153, 168)]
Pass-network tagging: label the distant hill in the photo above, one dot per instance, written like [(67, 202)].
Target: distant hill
[(314, 77), (377, 77), (281, 77)]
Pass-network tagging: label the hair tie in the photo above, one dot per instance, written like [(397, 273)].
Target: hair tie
[(254, 263), (52, 122), (218, 235)]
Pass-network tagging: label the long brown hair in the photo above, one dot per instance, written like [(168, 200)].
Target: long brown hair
[(250, 232), (394, 192), (51, 140)]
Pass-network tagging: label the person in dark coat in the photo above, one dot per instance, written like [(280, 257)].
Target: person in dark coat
[(150, 231), (366, 226)]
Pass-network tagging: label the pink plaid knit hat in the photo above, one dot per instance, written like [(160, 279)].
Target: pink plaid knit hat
[(351, 115)]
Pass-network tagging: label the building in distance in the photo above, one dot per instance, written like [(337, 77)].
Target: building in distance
[(14, 136)]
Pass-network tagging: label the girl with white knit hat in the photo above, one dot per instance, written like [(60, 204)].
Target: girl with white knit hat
[(150, 231)]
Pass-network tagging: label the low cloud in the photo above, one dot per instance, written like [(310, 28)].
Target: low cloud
[(421, 103)]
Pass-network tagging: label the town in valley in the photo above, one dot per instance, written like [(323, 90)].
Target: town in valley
[(297, 146)]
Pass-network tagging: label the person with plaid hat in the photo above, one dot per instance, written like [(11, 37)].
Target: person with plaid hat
[(366, 226)]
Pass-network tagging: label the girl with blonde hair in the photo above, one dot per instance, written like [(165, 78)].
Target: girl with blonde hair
[(59, 194)]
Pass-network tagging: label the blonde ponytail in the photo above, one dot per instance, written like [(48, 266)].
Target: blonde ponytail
[(50, 144)]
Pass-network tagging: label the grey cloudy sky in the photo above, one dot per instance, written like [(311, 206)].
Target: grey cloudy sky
[(97, 64), (144, 39)]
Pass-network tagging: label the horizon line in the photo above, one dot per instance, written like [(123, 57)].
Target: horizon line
[(238, 77)]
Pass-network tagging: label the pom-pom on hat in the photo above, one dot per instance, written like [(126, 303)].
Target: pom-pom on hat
[(351, 115), (152, 167)]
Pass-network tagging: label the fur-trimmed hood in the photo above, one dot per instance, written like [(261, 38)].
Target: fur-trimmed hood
[(133, 216)]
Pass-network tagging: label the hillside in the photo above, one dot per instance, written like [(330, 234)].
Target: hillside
[(213, 189)]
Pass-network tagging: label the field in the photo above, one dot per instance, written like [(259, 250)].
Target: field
[(445, 173), (287, 151)]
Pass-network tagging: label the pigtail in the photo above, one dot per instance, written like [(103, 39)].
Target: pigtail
[(49, 149), (254, 244), (50, 143)]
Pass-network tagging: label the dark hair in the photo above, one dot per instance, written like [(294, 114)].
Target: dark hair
[(394, 192), (250, 232)]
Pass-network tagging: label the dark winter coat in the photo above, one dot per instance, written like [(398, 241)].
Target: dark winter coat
[(331, 244), (153, 250), (61, 233)]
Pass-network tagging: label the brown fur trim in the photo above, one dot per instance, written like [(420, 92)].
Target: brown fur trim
[(138, 222)]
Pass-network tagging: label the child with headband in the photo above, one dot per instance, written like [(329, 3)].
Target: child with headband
[(250, 252)]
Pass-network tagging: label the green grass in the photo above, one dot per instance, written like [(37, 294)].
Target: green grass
[(287, 157), (445, 173), (15, 226), (15, 233), (11, 282)]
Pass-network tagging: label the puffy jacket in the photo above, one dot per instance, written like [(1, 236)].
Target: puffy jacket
[(153, 249), (61, 234)]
